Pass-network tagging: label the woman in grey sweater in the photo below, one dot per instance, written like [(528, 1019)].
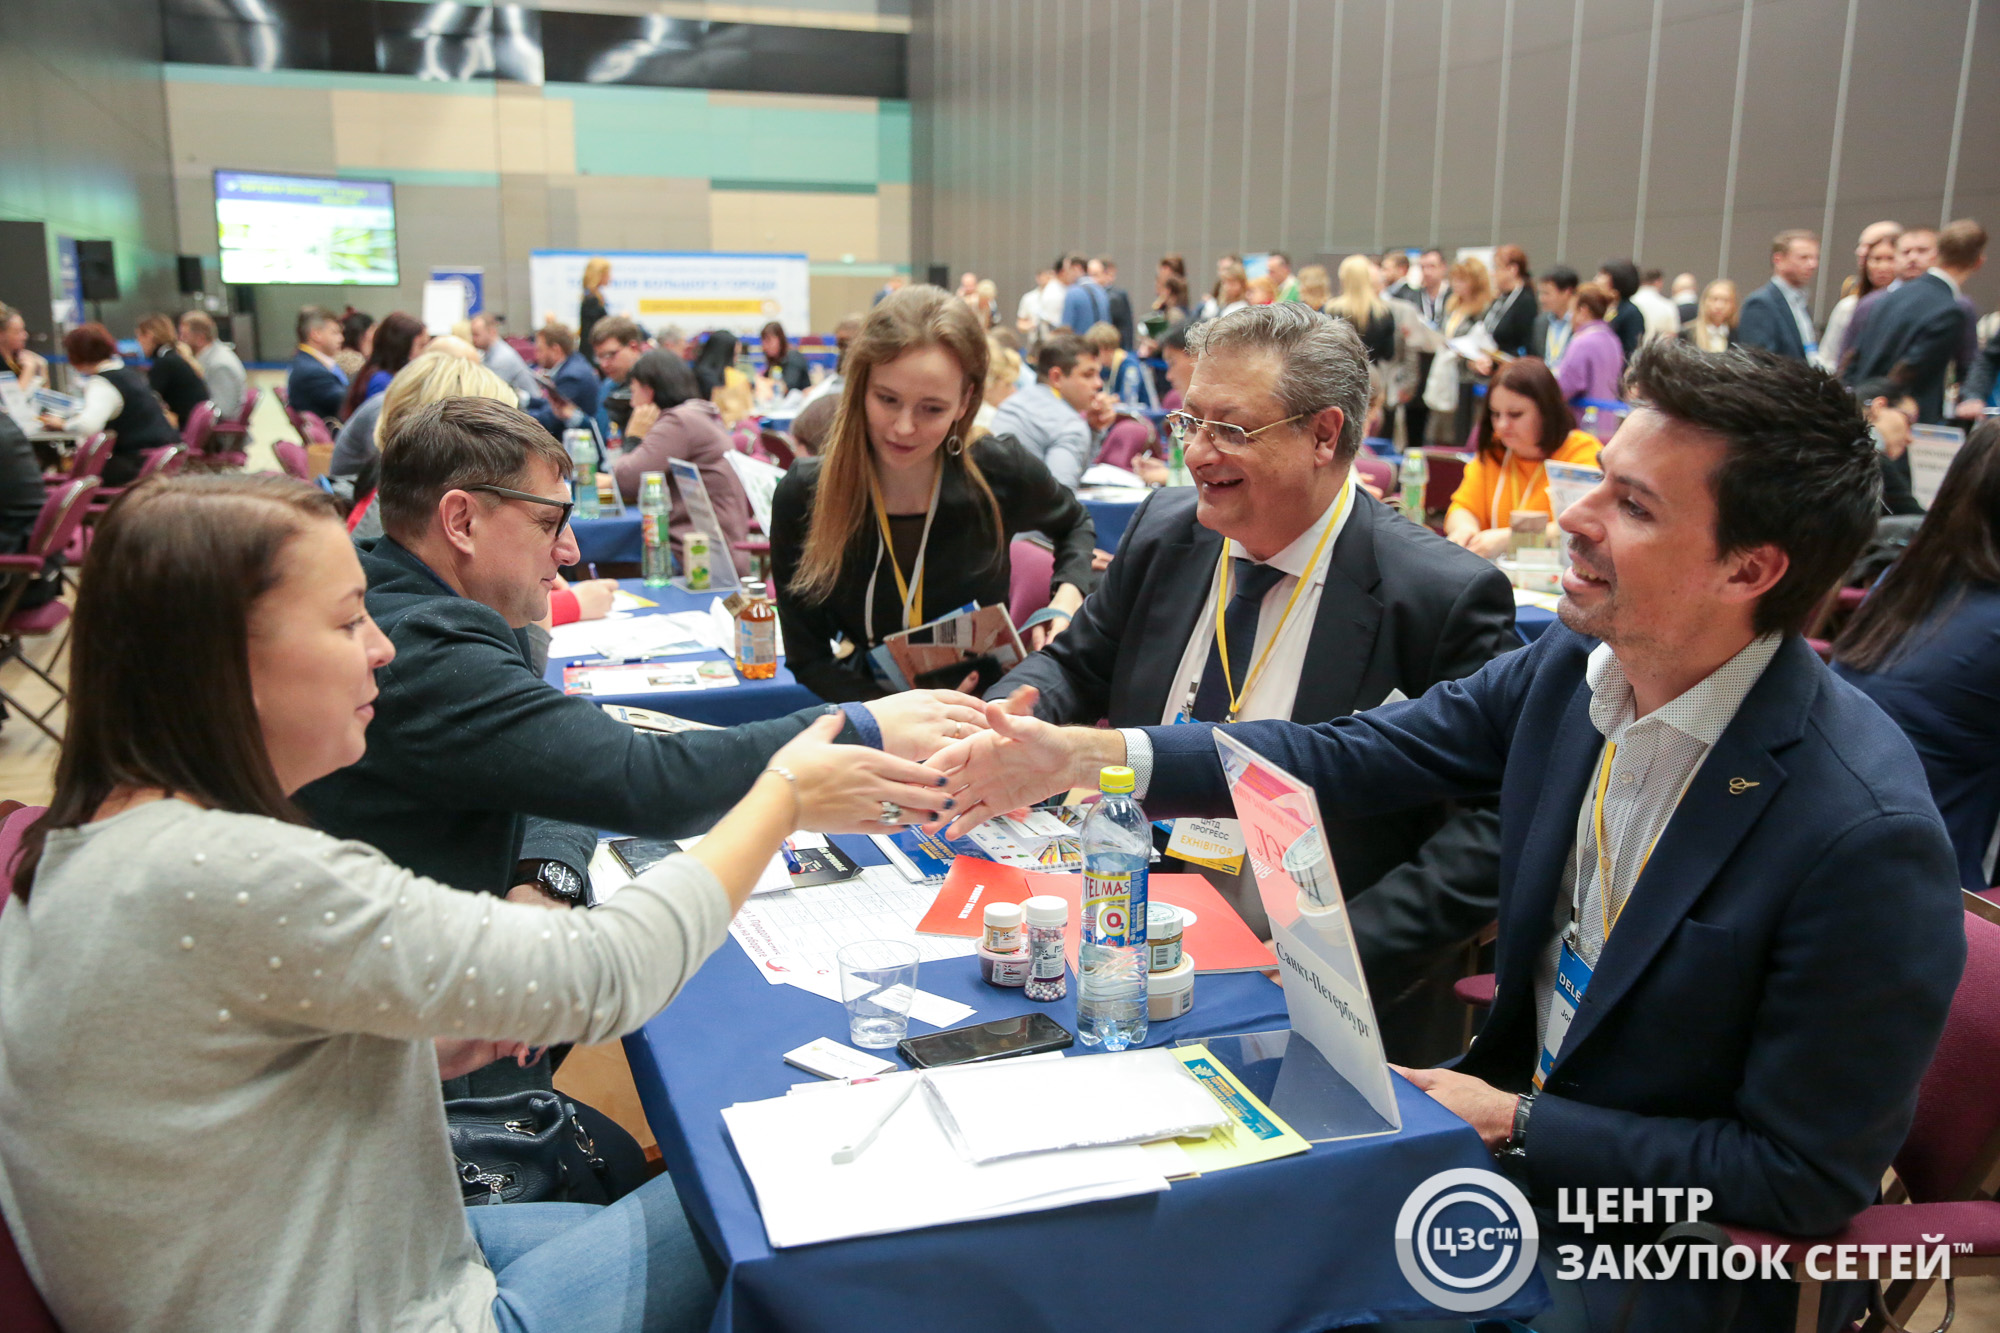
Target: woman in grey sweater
[(221, 1033)]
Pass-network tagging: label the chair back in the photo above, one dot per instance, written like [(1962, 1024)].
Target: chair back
[(1446, 468), (313, 428), (164, 461), (242, 418), (92, 455), (1125, 441), (291, 413), (1376, 471), (62, 513), (777, 448), (13, 824), (200, 425), (1028, 586), (293, 459), (1954, 1141)]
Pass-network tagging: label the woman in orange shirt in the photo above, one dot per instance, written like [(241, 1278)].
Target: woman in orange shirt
[(1524, 423)]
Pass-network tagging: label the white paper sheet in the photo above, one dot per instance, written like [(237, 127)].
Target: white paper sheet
[(1001, 1110), (634, 635)]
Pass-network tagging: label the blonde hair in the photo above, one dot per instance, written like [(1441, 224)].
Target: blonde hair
[(1101, 337), (1358, 302), (1313, 285), (1471, 288), (1260, 291), (596, 273), (915, 317), (1003, 367), (1699, 334), (443, 371), (164, 334)]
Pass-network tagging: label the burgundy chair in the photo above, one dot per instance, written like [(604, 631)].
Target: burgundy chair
[(232, 434), (777, 448), (199, 427), (1446, 468), (293, 459), (1950, 1163), (291, 413), (1376, 471), (1028, 587), (315, 429), (62, 514), (90, 457), (22, 1309), (162, 462), (1125, 441)]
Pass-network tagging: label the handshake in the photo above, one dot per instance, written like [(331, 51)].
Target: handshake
[(946, 758)]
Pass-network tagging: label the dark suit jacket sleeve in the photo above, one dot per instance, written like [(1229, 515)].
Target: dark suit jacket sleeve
[(809, 627), (1034, 501), (1074, 672), (485, 732), (1450, 744), (1802, 1157), (1450, 889), (1514, 332), (1985, 368), (314, 388), (1935, 341), (1757, 326), (556, 840), (580, 386)]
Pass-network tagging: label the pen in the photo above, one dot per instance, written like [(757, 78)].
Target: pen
[(844, 1155)]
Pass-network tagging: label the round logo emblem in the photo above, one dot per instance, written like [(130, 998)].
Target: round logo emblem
[(1466, 1239)]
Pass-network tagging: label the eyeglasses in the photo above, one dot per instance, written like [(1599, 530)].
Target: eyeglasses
[(565, 505), (1226, 438)]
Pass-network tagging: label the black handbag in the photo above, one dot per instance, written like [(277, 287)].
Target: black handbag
[(525, 1147)]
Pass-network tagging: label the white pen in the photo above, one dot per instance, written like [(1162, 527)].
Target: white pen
[(842, 1156)]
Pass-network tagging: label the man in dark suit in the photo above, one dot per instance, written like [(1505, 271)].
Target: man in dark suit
[(479, 773), (1778, 316), (1919, 330), (572, 397), (1104, 269), (1728, 855), (1386, 610), (314, 383)]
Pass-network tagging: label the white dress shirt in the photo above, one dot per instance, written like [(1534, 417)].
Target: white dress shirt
[(1795, 297), (101, 401), (1052, 303), (1657, 759)]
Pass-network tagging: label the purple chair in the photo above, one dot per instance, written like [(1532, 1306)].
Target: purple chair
[(1946, 1172), (291, 413), (62, 514), (1376, 471), (314, 429), (1125, 441), (1028, 586), (90, 458), (164, 461), (232, 434), (199, 428), (292, 457)]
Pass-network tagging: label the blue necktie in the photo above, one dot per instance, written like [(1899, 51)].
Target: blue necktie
[(1239, 619)]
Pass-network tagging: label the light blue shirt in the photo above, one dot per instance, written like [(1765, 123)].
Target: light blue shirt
[(1048, 428)]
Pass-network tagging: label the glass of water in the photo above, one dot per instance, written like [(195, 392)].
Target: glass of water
[(878, 979)]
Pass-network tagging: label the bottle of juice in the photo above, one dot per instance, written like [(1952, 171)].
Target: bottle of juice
[(756, 635)]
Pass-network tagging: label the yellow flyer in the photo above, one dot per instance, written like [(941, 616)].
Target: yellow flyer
[(1252, 1134)]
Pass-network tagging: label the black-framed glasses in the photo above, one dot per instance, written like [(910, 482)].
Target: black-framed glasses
[(565, 505), (1223, 435)]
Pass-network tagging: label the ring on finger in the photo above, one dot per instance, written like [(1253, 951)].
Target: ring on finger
[(891, 813)]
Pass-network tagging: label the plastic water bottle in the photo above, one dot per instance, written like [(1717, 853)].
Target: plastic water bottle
[(1413, 477), (658, 562), (1111, 959), (582, 446)]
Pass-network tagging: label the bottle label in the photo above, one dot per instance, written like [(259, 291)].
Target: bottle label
[(1046, 959), (757, 643), (1114, 908), (1166, 957), (649, 529)]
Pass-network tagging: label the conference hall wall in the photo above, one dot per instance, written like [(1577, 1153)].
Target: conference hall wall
[(508, 129), (1682, 132)]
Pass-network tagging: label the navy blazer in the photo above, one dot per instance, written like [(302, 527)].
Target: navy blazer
[(1912, 334), (1766, 321), (576, 381), (1760, 1019), (314, 387)]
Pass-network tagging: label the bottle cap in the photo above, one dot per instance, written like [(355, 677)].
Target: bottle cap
[(1163, 921), (1003, 916), (1045, 910), (1116, 780)]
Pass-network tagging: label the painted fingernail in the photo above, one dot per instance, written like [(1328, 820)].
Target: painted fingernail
[(941, 781), (950, 804)]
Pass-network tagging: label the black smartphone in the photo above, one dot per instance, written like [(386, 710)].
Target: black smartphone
[(1025, 1034)]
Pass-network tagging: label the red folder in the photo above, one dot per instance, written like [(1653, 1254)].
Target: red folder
[(1218, 939)]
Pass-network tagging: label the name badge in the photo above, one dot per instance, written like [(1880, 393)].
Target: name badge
[(1572, 980), (1215, 843)]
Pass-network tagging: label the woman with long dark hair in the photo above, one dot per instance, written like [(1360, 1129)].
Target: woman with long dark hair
[(1925, 645), (688, 427), (224, 1031), (713, 362), (782, 361), (396, 339), (900, 520), (1523, 423)]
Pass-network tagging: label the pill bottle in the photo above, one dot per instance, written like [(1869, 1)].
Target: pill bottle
[(1047, 918), (1003, 928), (1003, 969), (1170, 994)]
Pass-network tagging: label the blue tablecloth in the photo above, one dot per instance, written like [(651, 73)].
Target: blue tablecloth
[(603, 540), (746, 701), (1110, 516), (1303, 1243)]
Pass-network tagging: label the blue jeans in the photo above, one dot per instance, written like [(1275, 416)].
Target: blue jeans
[(584, 1269)]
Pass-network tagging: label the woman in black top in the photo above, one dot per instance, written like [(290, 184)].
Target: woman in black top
[(596, 273), (712, 362), (115, 398), (899, 522), (1627, 321), (171, 375), (782, 361)]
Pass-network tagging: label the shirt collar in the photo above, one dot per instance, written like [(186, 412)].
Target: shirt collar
[(1945, 278), (1296, 559), (1796, 295), (1703, 712), (317, 355)]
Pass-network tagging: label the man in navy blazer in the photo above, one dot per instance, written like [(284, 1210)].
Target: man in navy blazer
[(1922, 327), (314, 383), (573, 401), (1775, 907), (1778, 316)]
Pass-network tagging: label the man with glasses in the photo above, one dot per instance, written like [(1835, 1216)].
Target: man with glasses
[(1328, 602), (478, 772)]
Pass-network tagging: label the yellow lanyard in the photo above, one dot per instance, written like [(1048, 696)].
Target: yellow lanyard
[(1222, 600), (1608, 917), (912, 605), (1507, 472)]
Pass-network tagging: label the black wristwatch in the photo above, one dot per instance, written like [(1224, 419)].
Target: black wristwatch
[(556, 879), (1515, 1149)]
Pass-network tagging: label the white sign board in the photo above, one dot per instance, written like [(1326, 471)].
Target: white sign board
[(1326, 995), (1931, 450), (695, 291), (686, 479)]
